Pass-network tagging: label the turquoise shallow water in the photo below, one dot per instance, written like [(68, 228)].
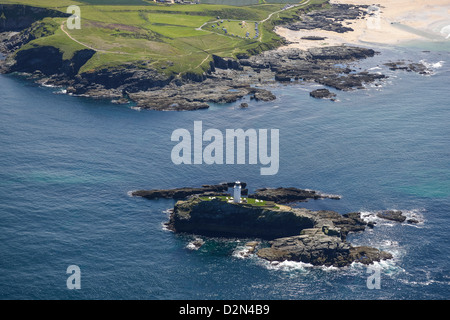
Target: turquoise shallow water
[(67, 165)]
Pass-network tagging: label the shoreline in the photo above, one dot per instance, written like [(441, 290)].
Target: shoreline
[(324, 57), (384, 24)]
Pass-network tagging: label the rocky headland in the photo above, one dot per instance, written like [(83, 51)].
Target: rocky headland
[(226, 80)]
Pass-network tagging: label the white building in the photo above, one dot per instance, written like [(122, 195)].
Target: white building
[(237, 192)]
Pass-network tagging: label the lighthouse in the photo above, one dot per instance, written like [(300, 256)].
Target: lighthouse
[(237, 192)]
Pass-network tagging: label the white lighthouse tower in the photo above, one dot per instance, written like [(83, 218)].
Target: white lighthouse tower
[(237, 192)]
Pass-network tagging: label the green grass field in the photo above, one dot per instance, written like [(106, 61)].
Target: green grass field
[(165, 37), (241, 29), (245, 201)]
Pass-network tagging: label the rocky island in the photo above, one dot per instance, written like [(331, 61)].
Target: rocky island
[(288, 233), (315, 237)]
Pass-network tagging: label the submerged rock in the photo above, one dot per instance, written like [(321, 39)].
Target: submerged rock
[(313, 38), (417, 67), (322, 94)]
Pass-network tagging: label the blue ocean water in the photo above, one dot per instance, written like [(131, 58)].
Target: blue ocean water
[(67, 165)]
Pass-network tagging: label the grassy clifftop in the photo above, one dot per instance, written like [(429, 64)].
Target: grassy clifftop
[(173, 39)]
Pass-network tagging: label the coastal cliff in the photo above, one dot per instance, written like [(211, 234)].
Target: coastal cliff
[(19, 17), (49, 61), (223, 219)]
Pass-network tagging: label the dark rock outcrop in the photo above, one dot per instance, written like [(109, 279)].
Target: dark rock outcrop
[(288, 195), (340, 53), (19, 17), (322, 94), (192, 96), (325, 65), (313, 38), (311, 246), (183, 193), (11, 41), (419, 68), (129, 78), (349, 222), (224, 63), (392, 215), (318, 249), (49, 61), (367, 255), (328, 19)]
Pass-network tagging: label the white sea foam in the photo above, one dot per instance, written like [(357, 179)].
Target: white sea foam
[(48, 85), (432, 65), (445, 31), (287, 266), (371, 216), (164, 227), (426, 282), (61, 91), (329, 195), (195, 244), (391, 267), (242, 252)]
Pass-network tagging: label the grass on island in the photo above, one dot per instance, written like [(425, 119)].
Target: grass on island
[(173, 39), (245, 201)]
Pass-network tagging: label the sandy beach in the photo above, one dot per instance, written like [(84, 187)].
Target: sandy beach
[(391, 22)]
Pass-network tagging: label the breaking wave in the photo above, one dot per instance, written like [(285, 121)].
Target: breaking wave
[(242, 252), (432, 66), (195, 244), (287, 266)]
